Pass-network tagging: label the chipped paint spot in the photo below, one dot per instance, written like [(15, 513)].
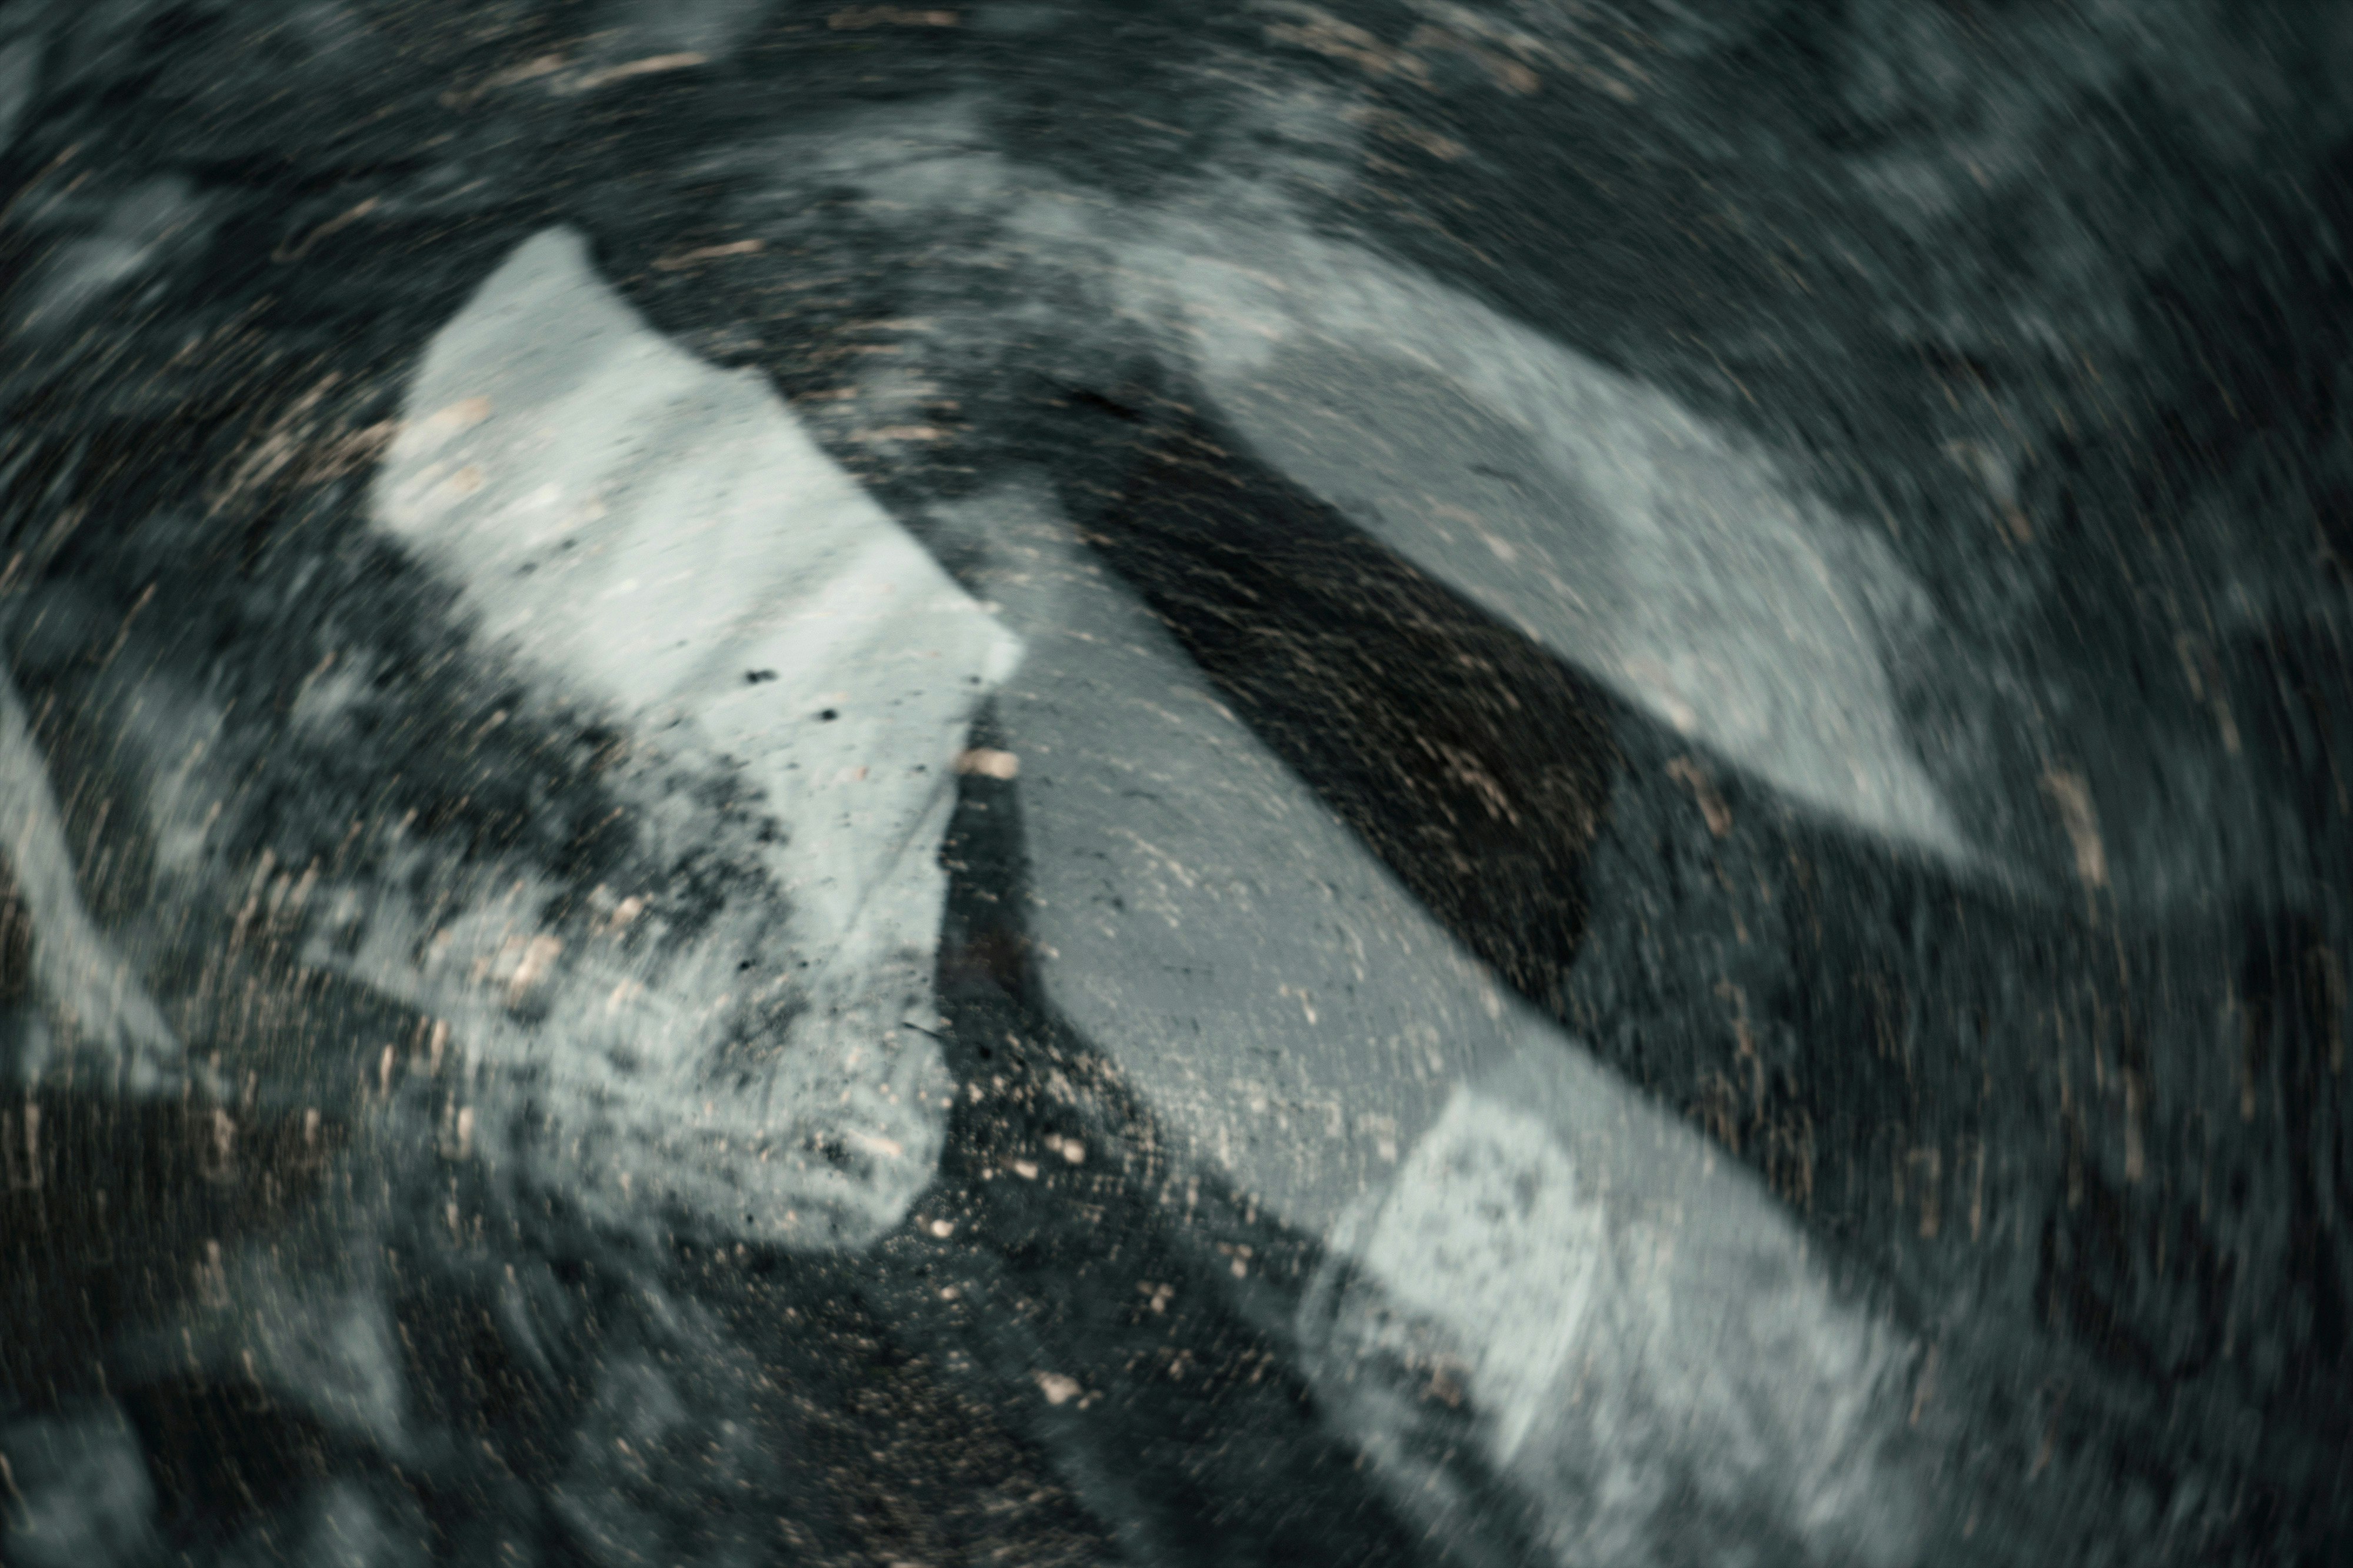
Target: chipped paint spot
[(2073, 797), (861, 16), (709, 253), (651, 65), (988, 764), (1688, 773)]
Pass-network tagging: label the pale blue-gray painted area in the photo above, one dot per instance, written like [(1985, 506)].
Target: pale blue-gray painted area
[(79, 1492), (1592, 512), (660, 541), (1627, 1313)]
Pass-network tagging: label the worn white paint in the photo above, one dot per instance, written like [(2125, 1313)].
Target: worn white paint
[(1591, 511), (1631, 1326), (659, 539), (79, 973), (1619, 1311), (1283, 1002)]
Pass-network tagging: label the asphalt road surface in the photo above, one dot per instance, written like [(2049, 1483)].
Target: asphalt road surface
[(1066, 783)]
